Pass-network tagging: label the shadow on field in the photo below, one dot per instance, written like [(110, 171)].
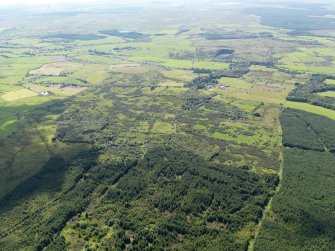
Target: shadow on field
[(48, 179), (23, 139)]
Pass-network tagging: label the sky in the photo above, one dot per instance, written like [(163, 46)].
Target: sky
[(48, 2), (34, 2), (44, 2)]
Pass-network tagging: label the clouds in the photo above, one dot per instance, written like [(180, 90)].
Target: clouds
[(55, 2), (44, 2)]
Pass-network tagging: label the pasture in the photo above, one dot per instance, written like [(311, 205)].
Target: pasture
[(18, 94), (311, 108), (55, 69), (327, 94)]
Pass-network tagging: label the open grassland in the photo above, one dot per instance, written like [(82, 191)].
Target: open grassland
[(55, 90), (55, 69), (131, 68), (163, 127), (30, 147), (311, 108), (327, 94), (8, 88), (47, 70), (330, 81), (302, 68), (178, 74), (97, 59), (182, 63), (309, 60), (272, 78), (18, 94), (235, 83), (93, 74), (241, 134), (258, 95), (18, 67)]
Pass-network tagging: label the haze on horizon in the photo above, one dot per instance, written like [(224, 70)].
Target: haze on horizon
[(55, 2)]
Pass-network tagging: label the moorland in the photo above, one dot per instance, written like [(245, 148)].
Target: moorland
[(185, 127)]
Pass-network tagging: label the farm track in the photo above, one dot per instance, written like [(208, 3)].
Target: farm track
[(268, 207)]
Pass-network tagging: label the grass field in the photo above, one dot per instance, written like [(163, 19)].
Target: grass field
[(56, 91), (311, 108), (327, 94), (309, 60), (55, 69), (258, 95), (8, 88), (94, 74), (18, 94), (234, 83), (180, 63), (163, 127), (330, 81)]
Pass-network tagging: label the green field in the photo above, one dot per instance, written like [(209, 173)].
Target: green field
[(311, 108), (327, 94), (18, 94)]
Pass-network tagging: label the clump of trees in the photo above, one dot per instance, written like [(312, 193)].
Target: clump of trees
[(235, 70), (202, 82), (202, 71), (307, 93)]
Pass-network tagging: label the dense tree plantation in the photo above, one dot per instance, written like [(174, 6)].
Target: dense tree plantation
[(302, 212), (170, 195), (308, 131), (301, 215)]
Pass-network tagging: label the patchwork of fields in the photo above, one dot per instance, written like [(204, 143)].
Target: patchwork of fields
[(166, 132)]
